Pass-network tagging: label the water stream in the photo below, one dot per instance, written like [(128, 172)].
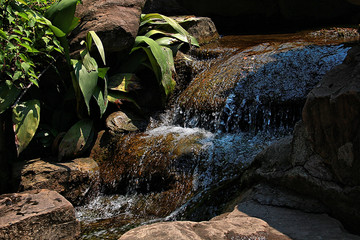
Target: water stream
[(245, 93)]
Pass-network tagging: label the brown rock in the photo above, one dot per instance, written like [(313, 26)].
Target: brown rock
[(202, 28), (37, 214), (332, 118), (116, 22), (76, 180), (234, 225)]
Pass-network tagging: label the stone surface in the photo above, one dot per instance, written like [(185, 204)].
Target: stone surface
[(202, 28), (234, 225), (37, 214), (116, 22), (119, 122), (297, 224), (332, 117), (76, 180), (293, 165), (255, 82)]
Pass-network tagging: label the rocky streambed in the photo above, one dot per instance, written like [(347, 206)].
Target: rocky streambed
[(235, 138)]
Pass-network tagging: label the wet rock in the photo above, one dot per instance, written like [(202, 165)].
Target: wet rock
[(256, 88), (234, 225), (37, 214), (119, 122), (77, 180), (116, 22), (332, 118), (154, 161)]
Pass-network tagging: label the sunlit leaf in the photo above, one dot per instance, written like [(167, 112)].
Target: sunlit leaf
[(26, 118), (124, 82), (98, 44), (77, 139)]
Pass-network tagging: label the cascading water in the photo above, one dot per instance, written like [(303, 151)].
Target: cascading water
[(246, 92)]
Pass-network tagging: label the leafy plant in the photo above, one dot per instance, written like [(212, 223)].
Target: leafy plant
[(28, 40), (158, 40)]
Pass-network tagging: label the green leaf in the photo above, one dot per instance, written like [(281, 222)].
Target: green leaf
[(87, 81), (98, 44), (77, 140), (102, 72), (3, 35), (163, 60), (174, 24), (8, 94), (61, 14), (124, 82), (25, 66), (117, 97), (101, 99), (26, 118)]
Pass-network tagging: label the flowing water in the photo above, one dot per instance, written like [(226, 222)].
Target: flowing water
[(244, 92)]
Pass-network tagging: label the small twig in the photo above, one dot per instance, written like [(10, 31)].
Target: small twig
[(31, 83)]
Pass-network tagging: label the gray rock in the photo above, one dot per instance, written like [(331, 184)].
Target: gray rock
[(332, 118), (77, 180), (119, 122), (37, 214)]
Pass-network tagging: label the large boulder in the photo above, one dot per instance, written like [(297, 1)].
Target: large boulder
[(116, 22), (234, 225), (77, 180), (292, 164), (37, 214), (332, 118)]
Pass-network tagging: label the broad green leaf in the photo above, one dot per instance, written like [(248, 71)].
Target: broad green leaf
[(162, 58), (118, 97), (102, 72), (77, 140), (166, 41), (26, 118), (8, 94), (89, 62), (154, 64), (123, 82), (29, 48), (61, 14), (98, 44), (87, 81)]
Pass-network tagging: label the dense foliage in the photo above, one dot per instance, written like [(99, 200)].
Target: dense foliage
[(34, 34)]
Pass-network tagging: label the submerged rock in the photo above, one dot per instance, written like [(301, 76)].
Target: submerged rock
[(256, 85), (37, 214), (77, 180), (234, 225)]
